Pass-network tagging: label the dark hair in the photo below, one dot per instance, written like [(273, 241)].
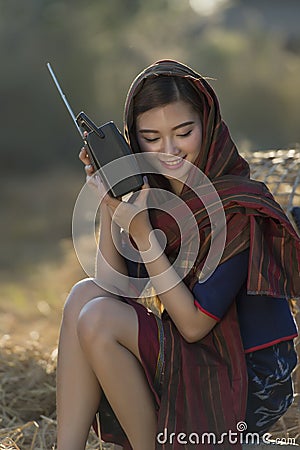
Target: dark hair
[(157, 91), (161, 90)]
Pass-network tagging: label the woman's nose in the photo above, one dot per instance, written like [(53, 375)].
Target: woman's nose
[(170, 148)]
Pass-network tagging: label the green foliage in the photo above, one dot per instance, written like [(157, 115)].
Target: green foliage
[(256, 79), (97, 47)]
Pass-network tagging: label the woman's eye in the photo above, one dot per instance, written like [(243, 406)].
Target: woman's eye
[(151, 139), (185, 134)]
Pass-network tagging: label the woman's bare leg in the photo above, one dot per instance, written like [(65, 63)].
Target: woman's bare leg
[(108, 334), (78, 390)]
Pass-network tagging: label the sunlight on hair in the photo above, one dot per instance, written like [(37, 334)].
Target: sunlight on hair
[(207, 7)]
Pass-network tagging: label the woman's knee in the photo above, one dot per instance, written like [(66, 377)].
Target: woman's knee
[(81, 293), (105, 321), (94, 321)]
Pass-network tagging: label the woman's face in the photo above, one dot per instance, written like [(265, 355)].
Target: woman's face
[(174, 133)]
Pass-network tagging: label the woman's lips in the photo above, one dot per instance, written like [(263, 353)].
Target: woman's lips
[(173, 164)]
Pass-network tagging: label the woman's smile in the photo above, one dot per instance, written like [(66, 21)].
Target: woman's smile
[(174, 163), (173, 134)]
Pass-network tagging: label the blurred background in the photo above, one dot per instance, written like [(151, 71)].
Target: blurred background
[(251, 49)]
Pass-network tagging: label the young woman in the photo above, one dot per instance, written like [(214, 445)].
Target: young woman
[(222, 351)]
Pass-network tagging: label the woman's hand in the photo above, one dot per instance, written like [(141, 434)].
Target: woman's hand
[(84, 157), (132, 217), (89, 169), (92, 178)]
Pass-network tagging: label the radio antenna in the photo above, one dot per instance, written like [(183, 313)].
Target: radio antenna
[(64, 99)]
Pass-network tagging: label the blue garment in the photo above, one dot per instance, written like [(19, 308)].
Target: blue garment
[(263, 320)]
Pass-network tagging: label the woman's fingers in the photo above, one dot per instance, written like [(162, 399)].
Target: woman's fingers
[(89, 169), (140, 201), (84, 157), (127, 215)]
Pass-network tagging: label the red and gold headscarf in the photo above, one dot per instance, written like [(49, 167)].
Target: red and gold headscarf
[(253, 218)]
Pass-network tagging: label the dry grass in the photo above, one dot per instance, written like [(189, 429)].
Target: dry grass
[(27, 370), (27, 401), (27, 398), (27, 389)]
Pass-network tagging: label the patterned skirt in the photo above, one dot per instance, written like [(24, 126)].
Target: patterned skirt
[(270, 389)]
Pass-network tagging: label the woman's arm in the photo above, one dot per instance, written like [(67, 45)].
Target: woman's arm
[(108, 257), (192, 323)]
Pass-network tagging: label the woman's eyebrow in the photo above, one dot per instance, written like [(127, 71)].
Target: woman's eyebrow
[(181, 125), (184, 124)]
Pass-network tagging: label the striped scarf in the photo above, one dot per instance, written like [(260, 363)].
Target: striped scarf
[(205, 383)]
